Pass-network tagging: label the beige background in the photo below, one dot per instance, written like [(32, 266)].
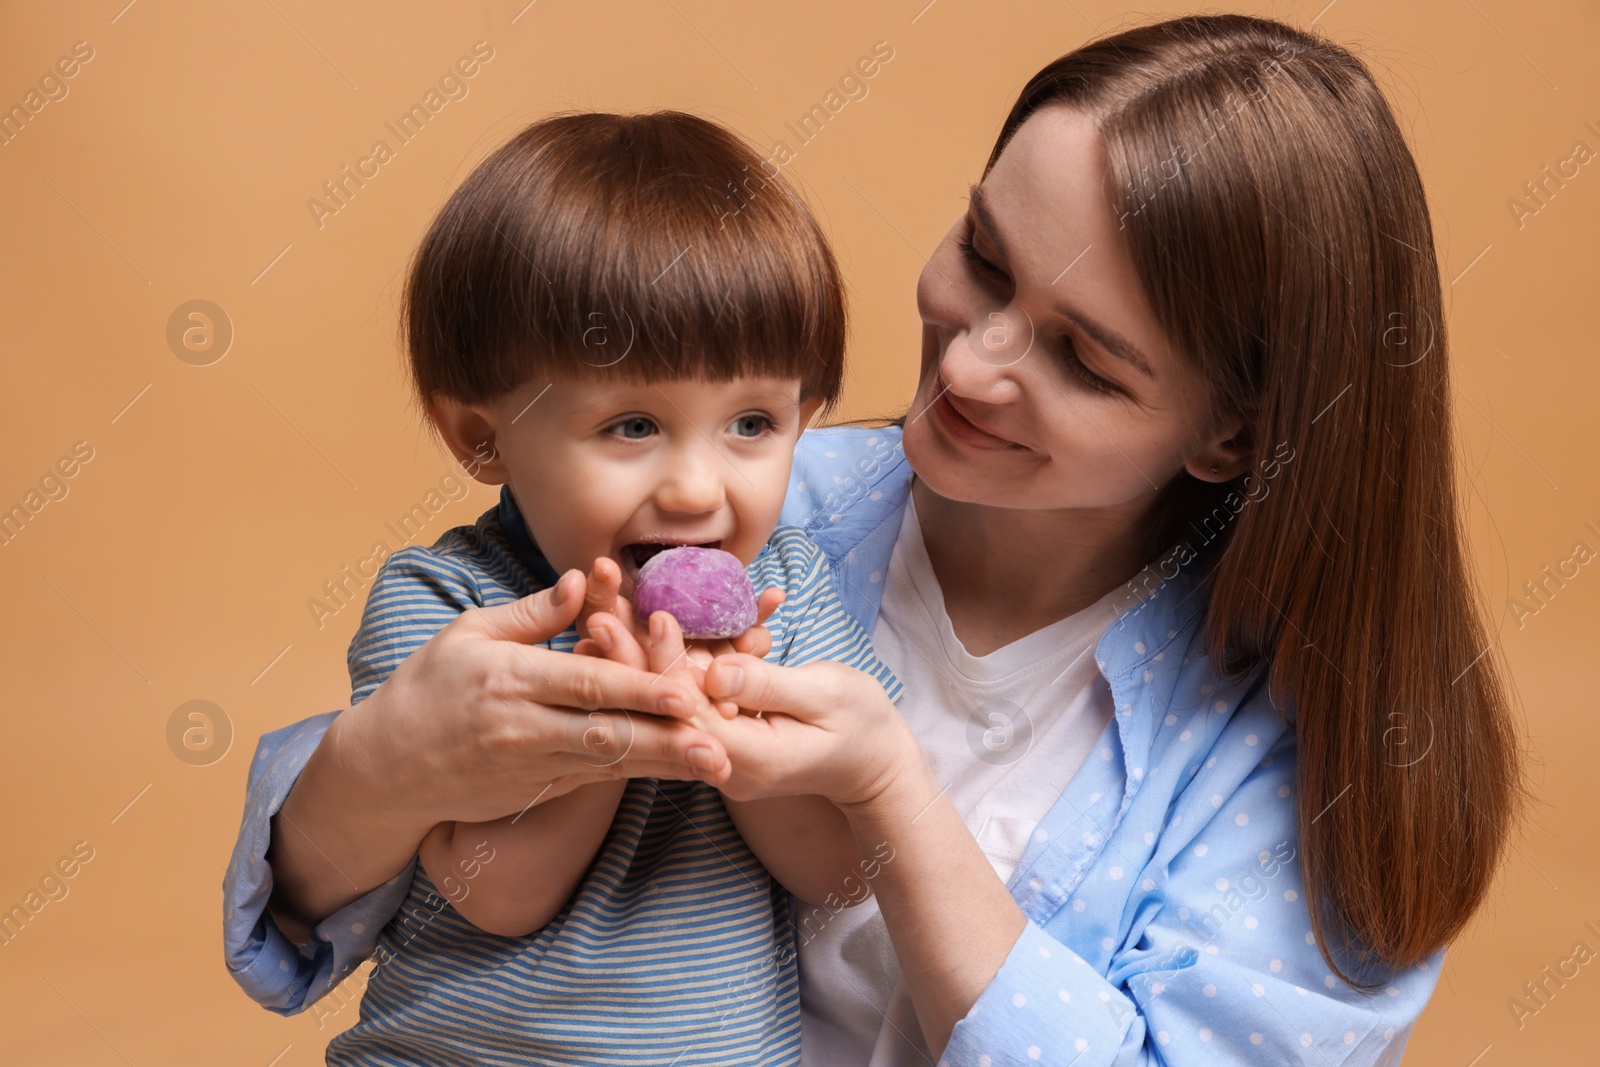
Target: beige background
[(179, 564)]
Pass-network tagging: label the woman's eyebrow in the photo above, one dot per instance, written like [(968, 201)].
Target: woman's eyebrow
[(980, 206), (1108, 339)]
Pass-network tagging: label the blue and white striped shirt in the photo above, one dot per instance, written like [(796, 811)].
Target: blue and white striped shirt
[(677, 948)]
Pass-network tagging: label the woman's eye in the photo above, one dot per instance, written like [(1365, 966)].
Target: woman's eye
[(752, 425), (1080, 370), (633, 428), (975, 259)]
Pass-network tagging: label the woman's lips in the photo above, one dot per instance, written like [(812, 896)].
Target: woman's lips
[(957, 425)]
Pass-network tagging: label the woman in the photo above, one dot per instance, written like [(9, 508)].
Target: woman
[(1167, 414)]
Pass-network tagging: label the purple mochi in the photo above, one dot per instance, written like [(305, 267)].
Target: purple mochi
[(705, 589)]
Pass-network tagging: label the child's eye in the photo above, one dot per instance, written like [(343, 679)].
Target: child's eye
[(632, 428), (752, 425)]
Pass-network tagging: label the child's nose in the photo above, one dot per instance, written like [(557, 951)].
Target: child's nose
[(693, 484)]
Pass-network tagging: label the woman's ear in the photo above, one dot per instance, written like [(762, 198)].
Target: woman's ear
[(1227, 456), (469, 432), (808, 411)]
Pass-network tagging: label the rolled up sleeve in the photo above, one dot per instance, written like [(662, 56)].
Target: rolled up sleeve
[(1214, 961), (1046, 1005), (272, 970)]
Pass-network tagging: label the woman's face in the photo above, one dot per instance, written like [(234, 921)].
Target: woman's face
[(1046, 381)]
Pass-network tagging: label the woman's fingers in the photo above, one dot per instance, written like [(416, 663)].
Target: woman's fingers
[(584, 774), (631, 768), (628, 746), (826, 729), (532, 619), (562, 680), (802, 692)]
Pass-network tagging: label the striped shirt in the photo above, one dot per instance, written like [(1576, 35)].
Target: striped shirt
[(677, 948)]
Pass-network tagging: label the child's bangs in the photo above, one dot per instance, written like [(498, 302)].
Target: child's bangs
[(648, 247), (671, 279)]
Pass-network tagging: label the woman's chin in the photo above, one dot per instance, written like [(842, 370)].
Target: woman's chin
[(951, 471)]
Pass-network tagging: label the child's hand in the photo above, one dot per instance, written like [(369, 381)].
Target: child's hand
[(603, 594), (659, 648), (657, 644), (756, 641)]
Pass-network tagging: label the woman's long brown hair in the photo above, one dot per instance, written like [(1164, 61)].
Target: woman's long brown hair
[(1278, 223)]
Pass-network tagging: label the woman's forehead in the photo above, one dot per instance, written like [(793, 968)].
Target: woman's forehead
[(1048, 193), (1047, 202)]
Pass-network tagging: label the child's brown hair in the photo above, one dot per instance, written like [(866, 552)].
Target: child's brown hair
[(654, 246)]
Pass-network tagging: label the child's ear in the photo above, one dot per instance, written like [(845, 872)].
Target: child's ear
[(469, 431), (808, 411)]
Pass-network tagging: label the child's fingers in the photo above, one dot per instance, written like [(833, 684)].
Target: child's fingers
[(624, 610), (637, 624), (693, 668), (601, 592), (712, 647), (666, 643), (768, 602), (616, 642), (688, 668), (756, 641)]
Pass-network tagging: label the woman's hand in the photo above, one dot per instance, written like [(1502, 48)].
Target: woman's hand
[(825, 729), (802, 839), (480, 722), (474, 726)]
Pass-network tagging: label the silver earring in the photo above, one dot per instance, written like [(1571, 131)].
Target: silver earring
[(1213, 469)]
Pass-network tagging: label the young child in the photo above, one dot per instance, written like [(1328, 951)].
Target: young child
[(627, 323)]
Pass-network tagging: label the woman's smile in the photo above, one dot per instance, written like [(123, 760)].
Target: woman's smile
[(961, 427)]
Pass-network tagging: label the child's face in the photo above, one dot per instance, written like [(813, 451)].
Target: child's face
[(618, 469)]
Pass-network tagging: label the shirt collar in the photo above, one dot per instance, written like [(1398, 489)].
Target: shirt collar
[(521, 541)]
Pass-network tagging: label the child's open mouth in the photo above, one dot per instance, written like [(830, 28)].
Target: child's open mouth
[(634, 556)]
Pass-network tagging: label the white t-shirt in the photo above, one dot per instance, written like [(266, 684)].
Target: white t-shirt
[(1004, 733)]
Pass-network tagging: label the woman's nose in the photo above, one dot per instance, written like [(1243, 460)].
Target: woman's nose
[(978, 361)]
